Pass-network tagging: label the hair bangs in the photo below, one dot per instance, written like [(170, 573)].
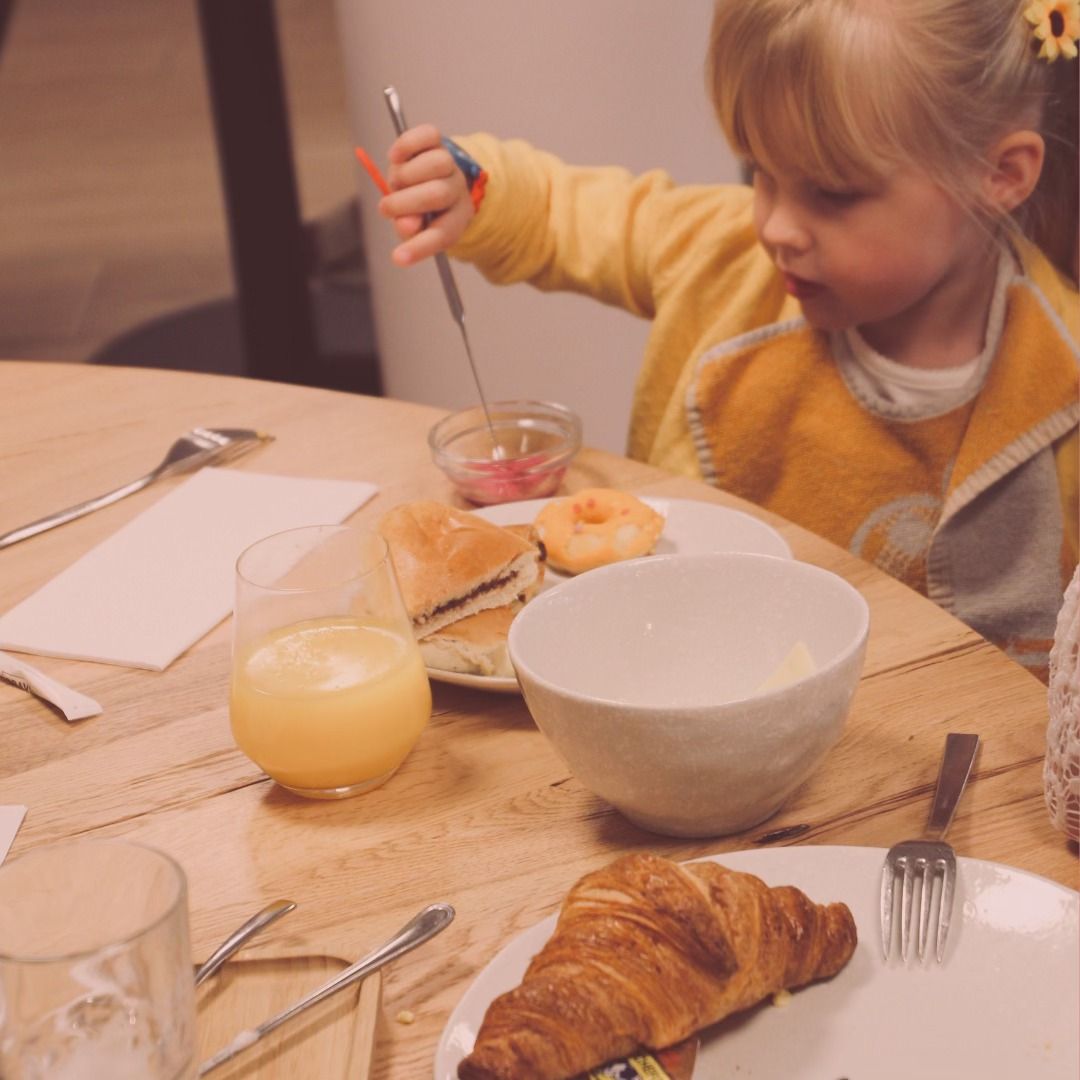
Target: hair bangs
[(783, 83)]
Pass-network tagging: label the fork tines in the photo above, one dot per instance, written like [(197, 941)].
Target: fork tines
[(929, 862)]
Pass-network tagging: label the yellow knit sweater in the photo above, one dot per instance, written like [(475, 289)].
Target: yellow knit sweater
[(975, 506)]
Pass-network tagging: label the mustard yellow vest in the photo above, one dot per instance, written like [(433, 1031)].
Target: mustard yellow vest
[(966, 507)]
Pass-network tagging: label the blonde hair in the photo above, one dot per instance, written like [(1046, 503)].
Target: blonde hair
[(843, 91)]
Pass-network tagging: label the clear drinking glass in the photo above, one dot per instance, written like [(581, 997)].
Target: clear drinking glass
[(95, 965), (329, 692)]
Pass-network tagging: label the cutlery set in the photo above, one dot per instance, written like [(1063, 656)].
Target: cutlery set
[(420, 928), (200, 446)]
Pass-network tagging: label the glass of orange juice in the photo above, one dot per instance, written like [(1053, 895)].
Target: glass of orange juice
[(329, 692)]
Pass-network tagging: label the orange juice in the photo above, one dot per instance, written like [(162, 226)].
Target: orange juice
[(329, 703)]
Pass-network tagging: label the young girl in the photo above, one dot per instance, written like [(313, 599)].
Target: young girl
[(879, 340)]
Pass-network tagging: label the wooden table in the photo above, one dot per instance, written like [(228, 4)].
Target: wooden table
[(482, 814)]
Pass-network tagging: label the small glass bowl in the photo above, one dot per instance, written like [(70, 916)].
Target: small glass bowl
[(539, 440)]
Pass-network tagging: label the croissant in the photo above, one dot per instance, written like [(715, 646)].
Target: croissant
[(645, 953)]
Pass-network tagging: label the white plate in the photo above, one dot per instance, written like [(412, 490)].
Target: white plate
[(690, 528), (492, 683), (1003, 1005)]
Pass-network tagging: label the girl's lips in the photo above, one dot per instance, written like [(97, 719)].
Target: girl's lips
[(800, 288)]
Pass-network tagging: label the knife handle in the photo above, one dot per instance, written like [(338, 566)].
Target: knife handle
[(446, 275)]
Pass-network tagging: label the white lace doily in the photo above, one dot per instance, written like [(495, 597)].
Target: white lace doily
[(1061, 771)]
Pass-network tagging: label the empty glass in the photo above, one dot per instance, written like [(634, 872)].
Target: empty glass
[(95, 965)]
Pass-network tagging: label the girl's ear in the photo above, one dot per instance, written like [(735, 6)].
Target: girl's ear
[(1014, 165)]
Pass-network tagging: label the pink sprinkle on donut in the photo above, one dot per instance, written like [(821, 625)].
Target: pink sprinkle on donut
[(617, 525)]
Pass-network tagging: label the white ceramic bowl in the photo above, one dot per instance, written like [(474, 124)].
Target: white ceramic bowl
[(644, 676)]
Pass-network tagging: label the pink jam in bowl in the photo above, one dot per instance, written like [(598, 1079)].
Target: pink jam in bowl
[(538, 441)]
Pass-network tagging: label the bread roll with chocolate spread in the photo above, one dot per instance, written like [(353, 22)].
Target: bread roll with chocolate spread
[(451, 564)]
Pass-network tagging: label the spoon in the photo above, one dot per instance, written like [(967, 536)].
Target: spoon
[(240, 936), (198, 447), (446, 276), (420, 928)]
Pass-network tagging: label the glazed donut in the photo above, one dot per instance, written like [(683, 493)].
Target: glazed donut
[(595, 527)]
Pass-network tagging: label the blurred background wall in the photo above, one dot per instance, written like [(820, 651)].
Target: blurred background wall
[(598, 82), (115, 239)]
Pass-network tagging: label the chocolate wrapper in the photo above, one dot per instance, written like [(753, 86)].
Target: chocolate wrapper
[(674, 1063)]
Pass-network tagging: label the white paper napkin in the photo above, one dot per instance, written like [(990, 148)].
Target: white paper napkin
[(10, 820), (166, 578)]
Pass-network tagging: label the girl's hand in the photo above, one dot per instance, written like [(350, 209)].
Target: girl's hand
[(425, 179)]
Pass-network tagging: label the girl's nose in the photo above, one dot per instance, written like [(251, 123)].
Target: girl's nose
[(780, 226)]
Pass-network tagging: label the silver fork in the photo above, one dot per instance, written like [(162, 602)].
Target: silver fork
[(930, 856), (200, 446)]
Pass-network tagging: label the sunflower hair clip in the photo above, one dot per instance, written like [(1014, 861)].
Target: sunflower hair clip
[(1056, 23)]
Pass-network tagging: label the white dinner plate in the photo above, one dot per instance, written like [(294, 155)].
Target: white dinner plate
[(690, 528), (1002, 1006), (492, 683)]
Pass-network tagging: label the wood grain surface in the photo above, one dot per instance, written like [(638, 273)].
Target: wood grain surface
[(482, 814), (334, 1040)]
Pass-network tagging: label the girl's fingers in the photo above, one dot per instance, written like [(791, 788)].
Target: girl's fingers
[(434, 164), (408, 225), (431, 197), (425, 183), (442, 233), (414, 141)]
